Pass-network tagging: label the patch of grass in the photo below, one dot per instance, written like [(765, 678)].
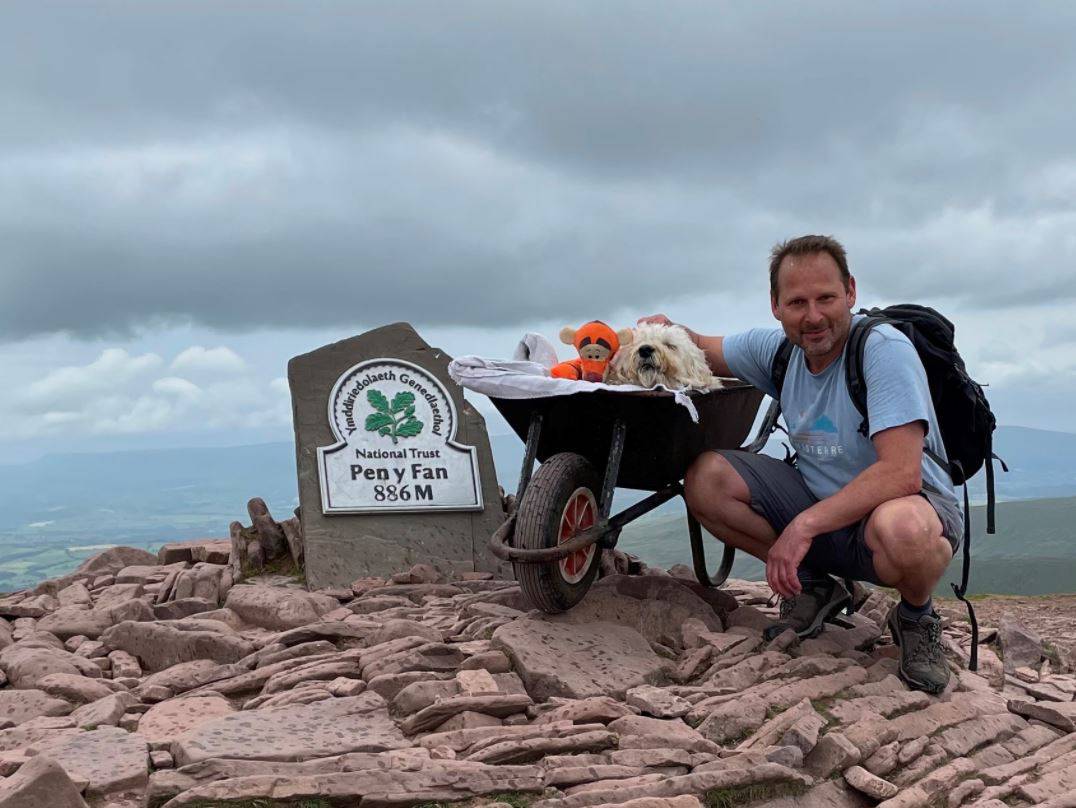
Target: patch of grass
[(1050, 652), (745, 795), (284, 565), (736, 740), (265, 803), (517, 799), (821, 707)]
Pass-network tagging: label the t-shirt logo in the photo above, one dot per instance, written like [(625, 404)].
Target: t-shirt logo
[(820, 440)]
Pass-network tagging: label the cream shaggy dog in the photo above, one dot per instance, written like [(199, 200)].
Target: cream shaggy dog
[(661, 354)]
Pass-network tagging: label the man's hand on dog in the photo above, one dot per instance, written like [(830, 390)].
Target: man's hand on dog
[(660, 319), (784, 559)]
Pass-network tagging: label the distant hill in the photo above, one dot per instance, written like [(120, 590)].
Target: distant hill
[(1033, 552), (55, 510), (58, 488), (1041, 463)]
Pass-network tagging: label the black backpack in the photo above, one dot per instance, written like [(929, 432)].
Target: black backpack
[(964, 417)]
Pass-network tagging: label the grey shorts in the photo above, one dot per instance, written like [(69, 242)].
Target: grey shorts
[(779, 494)]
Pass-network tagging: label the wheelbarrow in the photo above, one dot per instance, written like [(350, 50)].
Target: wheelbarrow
[(590, 443)]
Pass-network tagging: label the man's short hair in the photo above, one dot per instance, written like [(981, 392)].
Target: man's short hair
[(807, 245)]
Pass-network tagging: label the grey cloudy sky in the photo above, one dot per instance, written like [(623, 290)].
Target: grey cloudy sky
[(191, 193)]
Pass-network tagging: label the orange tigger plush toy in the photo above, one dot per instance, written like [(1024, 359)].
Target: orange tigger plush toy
[(596, 343)]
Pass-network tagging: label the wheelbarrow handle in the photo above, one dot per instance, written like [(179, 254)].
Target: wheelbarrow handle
[(498, 544)]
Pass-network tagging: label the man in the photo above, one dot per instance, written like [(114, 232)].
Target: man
[(871, 508)]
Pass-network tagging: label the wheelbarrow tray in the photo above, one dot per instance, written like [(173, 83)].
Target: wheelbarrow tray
[(661, 440)]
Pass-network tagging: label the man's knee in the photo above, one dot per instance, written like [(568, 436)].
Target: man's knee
[(909, 532), (709, 479)]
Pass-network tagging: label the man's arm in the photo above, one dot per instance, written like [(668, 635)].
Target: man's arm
[(896, 473), (711, 346)]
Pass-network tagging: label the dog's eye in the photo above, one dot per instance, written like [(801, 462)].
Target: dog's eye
[(670, 346)]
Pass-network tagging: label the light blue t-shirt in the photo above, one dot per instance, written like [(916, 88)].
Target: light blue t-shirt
[(823, 422)]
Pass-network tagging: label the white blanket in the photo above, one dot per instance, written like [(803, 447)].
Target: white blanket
[(521, 378)]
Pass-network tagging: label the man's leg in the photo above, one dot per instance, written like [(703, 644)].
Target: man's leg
[(746, 500), (719, 498), (911, 553)]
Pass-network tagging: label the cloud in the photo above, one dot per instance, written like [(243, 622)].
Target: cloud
[(113, 368), (177, 387), (119, 394), (488, 164), (213, 360)]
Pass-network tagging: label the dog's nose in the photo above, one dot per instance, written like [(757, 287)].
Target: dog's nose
[(645, 351)]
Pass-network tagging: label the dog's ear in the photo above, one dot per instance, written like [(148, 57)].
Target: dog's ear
[(567, 335), (625, 336)]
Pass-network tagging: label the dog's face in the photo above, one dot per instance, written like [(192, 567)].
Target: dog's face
[(660, 354)]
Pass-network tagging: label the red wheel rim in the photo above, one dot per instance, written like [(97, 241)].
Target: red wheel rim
[(580, 513)]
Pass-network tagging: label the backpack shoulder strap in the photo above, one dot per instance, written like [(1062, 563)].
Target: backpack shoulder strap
[(853, 366), (779, 367)]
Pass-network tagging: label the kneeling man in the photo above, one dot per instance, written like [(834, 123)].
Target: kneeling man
[(868, 507)]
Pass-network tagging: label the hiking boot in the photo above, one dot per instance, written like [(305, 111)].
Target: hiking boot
[(922, 664), (806, 612)]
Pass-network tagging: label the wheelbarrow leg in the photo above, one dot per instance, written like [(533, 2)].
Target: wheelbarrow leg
[(698, 555), (534, 432), (612, 466), (612, 471)]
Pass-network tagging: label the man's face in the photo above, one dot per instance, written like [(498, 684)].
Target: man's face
[(813, 306)]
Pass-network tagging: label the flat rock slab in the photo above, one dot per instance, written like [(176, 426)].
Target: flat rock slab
[(438, 782), (160, 646), (658, 702), (277, 608), (579, 661), (600, 709), (654, 606), (71, 621), (74, 688), (657, 733), (107, 759), (104, 712), (40, 782), (695, 783), (19, 706), (26, 662), (873, 786), (20, 738), (533, 749), (1061, 715), (186, 676), (170, 719), (332, 727), (497, 704), (114, 559)]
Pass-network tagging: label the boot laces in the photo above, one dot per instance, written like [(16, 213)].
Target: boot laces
[(786, 607), (928, 649)]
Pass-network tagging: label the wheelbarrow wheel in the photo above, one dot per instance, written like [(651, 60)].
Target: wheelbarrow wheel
[(560, 501)]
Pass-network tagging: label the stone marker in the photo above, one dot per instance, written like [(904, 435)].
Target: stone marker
[(394, 465)]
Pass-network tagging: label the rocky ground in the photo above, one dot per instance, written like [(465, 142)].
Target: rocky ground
[(148, 681)]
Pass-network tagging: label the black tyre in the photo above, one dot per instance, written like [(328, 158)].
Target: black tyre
[(560, 501)]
